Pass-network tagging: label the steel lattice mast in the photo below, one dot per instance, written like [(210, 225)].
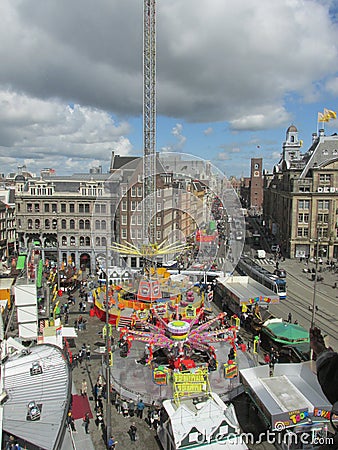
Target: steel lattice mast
[(149, 122)]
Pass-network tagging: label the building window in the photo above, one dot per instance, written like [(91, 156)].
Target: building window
[(81, 208), (323, 218), (159, 235), (97, 225), (30, 224), (37, 224), (323, 204), (324, 178), (303, 204), (87, 241), (54, 208), (63, 224), (133, 220), (81, 224), (133, 205), (47, 224), (124, 233), (71, 207), (158, 207), (72, 240), (322, 232), (97, 241), (103, 225), (158, 221), (124, 189), (139, 234), (159, 192), (103, 241), (87, 208), (139, 206), (124, 219), (303, 218), (87, 224), (305, 232), (139, 191), (139, 219), (124, 205), (64, 241), (36, 207), (46, 207), (133, 191), (29, 207), (133, 233), (82, 241), (63, 207), (72, 224)]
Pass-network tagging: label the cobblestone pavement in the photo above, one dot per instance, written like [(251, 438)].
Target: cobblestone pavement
[(90, 371)]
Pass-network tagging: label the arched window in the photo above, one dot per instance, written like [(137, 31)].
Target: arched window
[(47, 224), (87, 241), (30, 224), (87, 224), (81, 224), (63, 224), (82, 241), (97, 225), (64, 258), (37, 223), (97, 241), (72, 224), (104, 242), (64, 241), (72, 240), (103, 225)]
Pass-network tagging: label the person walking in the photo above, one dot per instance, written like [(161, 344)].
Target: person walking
[(139, 409), (132, 432), (86, 421), (112, 443), (70, 422), (290, 317), (84, 388)]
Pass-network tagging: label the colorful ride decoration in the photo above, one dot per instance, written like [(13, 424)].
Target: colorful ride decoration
[(180, 338), (178, 330)]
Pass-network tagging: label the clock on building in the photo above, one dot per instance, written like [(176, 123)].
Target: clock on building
[(256, 173)]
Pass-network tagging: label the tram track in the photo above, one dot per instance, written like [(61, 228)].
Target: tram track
[(297, 304)]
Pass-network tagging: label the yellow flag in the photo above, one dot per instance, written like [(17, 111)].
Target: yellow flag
[(330, 114), (322, 117)]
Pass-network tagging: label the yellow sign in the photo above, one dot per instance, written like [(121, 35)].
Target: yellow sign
[(188, 383)]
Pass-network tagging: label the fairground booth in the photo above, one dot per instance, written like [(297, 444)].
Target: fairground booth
[(290, 402)]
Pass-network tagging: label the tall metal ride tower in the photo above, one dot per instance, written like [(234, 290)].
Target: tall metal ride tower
[(149, 122)]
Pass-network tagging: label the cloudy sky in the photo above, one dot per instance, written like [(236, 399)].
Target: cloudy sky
[(231, 77)]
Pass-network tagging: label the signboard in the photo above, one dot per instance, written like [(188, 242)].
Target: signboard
[(187, 383), (230, 370), (160, 376)]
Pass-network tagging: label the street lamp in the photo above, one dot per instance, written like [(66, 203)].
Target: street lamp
[(56, 227), (314, 306)]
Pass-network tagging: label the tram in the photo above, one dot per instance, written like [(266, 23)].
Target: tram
[(246, 266), (199, 276)]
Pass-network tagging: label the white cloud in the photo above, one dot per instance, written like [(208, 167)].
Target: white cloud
[(236, 61)]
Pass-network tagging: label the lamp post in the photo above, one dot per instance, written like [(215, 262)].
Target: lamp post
[(315, 284), (108, 355)]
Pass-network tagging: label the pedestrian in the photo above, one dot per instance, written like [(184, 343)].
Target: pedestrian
[(112, 443), (70, 421), (86, 421), (88, 352), (132, 431), (125, 409), (290, 317), (140, 408), (84, 388)]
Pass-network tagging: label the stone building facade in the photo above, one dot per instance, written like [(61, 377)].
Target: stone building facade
[(301, 197)]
